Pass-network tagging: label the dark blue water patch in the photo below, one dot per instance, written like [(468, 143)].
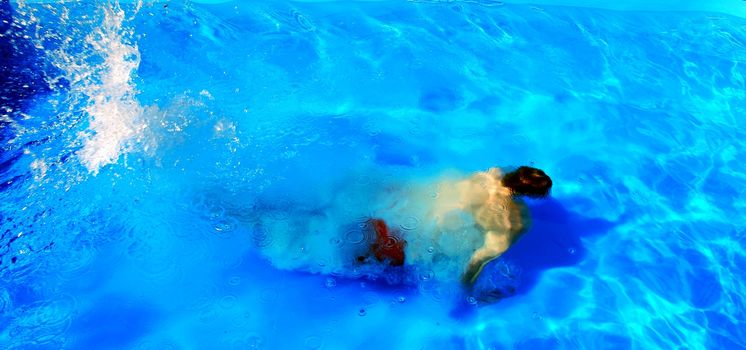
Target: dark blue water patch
[(719, 323), (113, 322), (23, 71), (498, 280), (25, 75), (705, 287), (440, 99), (724, 332), (564, 97), (554, 240), (389, 150), (8, 156), (725, 341), (22, 295), (398, 151), (6, 184)]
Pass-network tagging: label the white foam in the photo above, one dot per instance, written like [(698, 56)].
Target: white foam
[(115, 116), (100, 71)]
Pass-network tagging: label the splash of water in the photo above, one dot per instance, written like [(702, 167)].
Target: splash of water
[(115, 114), (101, 73)]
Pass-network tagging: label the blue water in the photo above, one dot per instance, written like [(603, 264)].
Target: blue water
[(141, 145)]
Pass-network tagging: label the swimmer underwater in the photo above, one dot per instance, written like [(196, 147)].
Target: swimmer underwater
[(491, 198), (447, 228)]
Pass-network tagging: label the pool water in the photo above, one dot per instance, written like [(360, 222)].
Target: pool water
[(142, 141)]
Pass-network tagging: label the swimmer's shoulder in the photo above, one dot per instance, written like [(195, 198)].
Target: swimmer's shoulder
[(495, 172), (520, 217)]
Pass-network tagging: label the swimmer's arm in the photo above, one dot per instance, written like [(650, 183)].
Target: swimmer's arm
[(495, 244)]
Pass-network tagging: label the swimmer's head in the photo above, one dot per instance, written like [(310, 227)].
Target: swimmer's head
[(528, 181)]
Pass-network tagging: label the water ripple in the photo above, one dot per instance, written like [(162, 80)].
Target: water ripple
[(43, 322)]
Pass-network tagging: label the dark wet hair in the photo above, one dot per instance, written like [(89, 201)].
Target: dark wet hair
[(528, 181)]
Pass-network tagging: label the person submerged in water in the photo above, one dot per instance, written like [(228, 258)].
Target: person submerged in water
[(491, 198)]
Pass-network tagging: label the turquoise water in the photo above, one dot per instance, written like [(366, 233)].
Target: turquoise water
[(155, 137)]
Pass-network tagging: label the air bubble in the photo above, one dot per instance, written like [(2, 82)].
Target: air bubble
[(330, 282), (362, 312), (571, 251), (430, 249), (391, 242), (223, 227), (410, 223), (253, 341), (81, 260), (355, 237), (337, 272), (426, 276), (471, 300), (203, 298), (261, 237), (303, 22), (437, 294), (268, 296), (234, 281), (336, 241), (228, 301), (401, 299), (314, 342), (363, 223)]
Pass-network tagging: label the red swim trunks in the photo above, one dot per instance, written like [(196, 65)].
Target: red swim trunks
[(389, 245)]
